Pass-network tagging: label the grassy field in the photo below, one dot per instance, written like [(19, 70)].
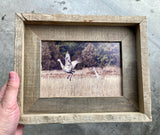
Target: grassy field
[(84, 83)]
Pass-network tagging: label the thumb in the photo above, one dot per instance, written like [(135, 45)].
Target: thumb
[(10, 96)]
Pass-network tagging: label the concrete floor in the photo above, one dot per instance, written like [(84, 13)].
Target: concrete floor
[(87, 7)]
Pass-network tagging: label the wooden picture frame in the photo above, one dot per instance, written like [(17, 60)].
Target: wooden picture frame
[(135, 103)]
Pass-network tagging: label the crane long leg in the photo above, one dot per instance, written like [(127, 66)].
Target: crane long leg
[(71, 76), (68, 76)]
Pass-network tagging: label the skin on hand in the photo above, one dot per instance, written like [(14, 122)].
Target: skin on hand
[(9, 110)]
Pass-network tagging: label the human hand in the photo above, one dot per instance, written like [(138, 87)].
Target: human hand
[(9, 110)]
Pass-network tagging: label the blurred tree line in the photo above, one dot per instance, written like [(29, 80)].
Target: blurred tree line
[(97, 54)]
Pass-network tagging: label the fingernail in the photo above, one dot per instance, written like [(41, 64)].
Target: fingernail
[(12, 76)]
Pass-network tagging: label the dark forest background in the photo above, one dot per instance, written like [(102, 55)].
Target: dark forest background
[(92, 54)]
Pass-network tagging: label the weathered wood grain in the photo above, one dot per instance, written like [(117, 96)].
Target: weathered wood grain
[(19, 58), (84, 118), (129, 68), (31, 69), (80, 33), (82, 105), (143, 69), (81, 19)]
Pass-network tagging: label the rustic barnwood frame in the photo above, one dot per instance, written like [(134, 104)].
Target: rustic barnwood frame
[(135, 103)]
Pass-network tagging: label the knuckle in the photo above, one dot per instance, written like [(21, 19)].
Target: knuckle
[(11, 108), (12, 85), (9, 113), (3, 131)]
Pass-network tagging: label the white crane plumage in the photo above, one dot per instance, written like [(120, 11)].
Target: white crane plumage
[(69, 65), (97, 75)]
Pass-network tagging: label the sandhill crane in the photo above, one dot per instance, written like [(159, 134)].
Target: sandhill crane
[(69, 65), (97, 75)]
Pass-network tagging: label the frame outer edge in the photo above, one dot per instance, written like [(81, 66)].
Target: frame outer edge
[(84, 118), (145, 68), (81, 18), (20, 19), (18, 57)]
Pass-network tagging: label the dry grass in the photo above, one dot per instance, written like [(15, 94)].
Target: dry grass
[(84, 83)]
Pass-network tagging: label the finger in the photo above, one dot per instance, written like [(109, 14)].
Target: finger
[(10, 96), (2, 91), (19, 130)]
